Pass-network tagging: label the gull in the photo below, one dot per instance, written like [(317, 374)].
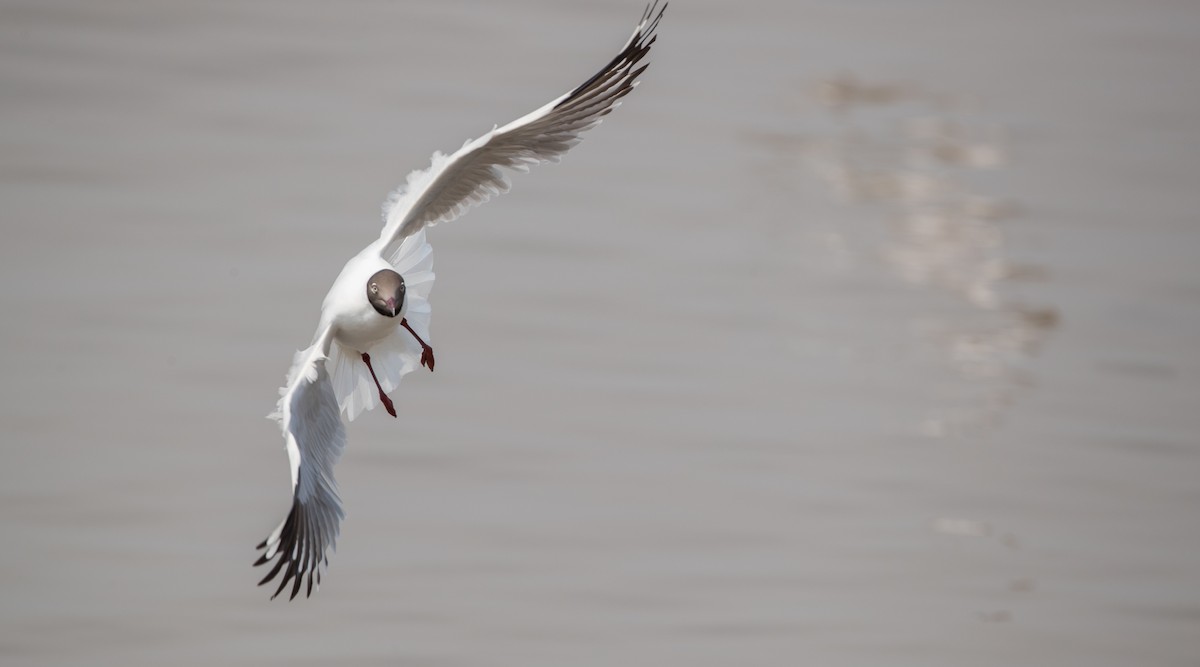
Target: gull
[(374, 324)]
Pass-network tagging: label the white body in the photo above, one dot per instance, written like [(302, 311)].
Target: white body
[(329, 379), (355, 327), (356, 324)]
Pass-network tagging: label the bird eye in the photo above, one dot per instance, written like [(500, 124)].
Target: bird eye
[(374, 288)]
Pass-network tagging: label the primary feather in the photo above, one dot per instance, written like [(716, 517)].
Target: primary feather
[(309, 417), (472, 174)]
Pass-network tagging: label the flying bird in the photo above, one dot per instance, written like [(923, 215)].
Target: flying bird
[(374, 324)]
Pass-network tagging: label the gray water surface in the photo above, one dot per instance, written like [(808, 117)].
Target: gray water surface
[(862, 334)]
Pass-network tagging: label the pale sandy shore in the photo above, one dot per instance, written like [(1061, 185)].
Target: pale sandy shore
[(864, 333)]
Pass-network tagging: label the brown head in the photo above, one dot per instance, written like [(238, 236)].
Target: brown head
[(385, 291)]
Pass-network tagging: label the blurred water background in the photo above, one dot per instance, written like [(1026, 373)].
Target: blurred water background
[(864, 333)]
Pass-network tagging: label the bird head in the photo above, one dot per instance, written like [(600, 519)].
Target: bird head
[(385, 291)]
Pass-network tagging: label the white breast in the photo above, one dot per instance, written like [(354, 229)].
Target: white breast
[(356, 323)]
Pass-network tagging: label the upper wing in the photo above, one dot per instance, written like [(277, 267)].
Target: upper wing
[(312, 428), (472, 175)]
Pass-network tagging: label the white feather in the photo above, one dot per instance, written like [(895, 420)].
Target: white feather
[(474, 173), (329, 379)]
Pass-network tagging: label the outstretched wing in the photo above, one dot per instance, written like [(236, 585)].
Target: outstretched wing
[(453, 183), (312, 429)]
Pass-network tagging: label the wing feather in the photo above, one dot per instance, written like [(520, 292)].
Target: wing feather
[(312, 427), (473, 174), (311, 402)]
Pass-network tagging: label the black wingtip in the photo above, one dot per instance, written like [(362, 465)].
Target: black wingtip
[(284, 552), (274, 571), (634, 51), (298, 551), (650, 12)]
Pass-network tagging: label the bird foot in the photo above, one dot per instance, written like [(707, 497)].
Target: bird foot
[(383, 398), (387, 404), (426, 350)]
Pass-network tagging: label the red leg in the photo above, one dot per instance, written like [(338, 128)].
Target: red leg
[(383, 398), (426, 351)]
